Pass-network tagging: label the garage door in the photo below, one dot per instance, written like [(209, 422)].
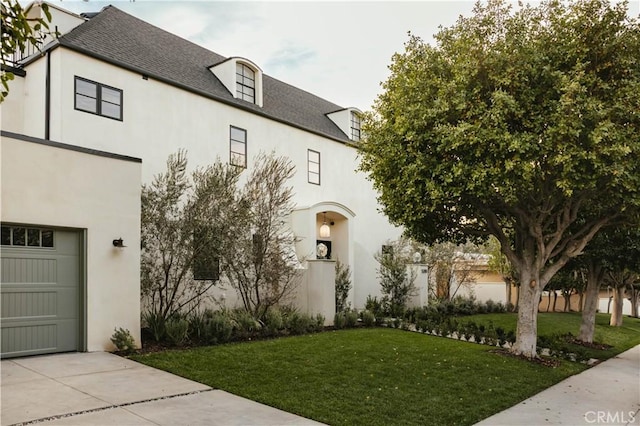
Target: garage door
[(40, 291)]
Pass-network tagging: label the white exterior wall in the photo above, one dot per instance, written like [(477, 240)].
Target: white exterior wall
[(159, 119), (484, 291), (48, 186)]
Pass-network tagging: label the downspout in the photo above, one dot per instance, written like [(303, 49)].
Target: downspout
[(47, 98)]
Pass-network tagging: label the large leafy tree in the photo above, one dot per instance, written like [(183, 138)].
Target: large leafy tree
[(513, 124)]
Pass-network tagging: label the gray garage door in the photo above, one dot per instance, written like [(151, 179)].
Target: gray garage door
[(40, 291)]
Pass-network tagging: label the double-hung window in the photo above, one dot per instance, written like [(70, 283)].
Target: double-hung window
[(98, 98), (245, 83), (313, 166), (238, 147)]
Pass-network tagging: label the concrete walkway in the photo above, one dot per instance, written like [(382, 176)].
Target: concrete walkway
[(607, 394), (100, 388)]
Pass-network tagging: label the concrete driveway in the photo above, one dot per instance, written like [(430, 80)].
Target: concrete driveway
[(100, 388)]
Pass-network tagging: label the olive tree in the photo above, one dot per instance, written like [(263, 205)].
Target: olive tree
[(186, 224), (264, 268), (513, 124)]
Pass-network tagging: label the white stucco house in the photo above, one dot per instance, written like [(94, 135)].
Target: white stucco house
[(98, 111)]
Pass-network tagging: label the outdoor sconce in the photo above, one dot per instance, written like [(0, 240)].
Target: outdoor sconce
[(119, 243), (325, 231)]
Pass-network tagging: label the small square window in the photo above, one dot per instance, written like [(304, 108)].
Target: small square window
[(47, 238), (33, 237), (206, 264), (19, 236)]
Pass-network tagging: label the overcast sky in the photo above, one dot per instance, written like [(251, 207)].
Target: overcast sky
[(339, 51)]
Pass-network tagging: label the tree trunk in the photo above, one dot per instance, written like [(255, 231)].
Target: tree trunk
[(633, 292), (581, 301), (587, 327), (528, 301), (555, 300), (567, 301), (508, 289), (616, 314), (517, 305), (548, 301)]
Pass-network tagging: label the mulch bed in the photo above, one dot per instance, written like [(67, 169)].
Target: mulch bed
[(544, 361), (594, 345)]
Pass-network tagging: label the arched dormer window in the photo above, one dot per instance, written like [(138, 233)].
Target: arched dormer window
[(349, 121), (241, 77), (245, 83)]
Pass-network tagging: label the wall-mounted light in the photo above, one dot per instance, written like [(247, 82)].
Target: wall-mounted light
[(325, 231), (119, 243)]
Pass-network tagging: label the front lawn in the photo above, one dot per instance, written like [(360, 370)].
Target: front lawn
[(377, 376)]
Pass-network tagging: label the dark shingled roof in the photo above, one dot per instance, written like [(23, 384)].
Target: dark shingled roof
[(119, 38)]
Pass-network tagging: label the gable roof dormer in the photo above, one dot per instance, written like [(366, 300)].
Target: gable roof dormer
[(242, 78), (348, 120)]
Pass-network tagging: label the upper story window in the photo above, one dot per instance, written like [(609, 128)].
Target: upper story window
[(98, 98), (241, 77), (355, 126), (238, 147), (313, 166), (245, 83), (348, 121)]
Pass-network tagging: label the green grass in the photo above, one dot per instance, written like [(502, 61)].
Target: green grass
[(620, 338), (374, 376)]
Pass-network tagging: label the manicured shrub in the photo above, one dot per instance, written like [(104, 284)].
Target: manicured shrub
[(219, 327), (197, 326), (368, 318), (176, 331), (374, 305), (273, 322), (300, 323), (155, 323), (245, 325), (123, 341), (351, 319)]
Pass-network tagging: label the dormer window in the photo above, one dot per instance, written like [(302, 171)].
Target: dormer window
[(245, 83), (242, 78), (349, 121), (355, 126)]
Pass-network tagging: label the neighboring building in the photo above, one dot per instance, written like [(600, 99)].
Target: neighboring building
[(115, 84)]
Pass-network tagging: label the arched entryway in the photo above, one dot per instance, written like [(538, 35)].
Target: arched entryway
[(323, 235)]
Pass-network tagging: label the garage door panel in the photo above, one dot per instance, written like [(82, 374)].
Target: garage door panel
[(40, 297), (17, 303), (22, 268)]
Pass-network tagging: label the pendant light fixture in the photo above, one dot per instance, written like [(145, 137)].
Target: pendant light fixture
[(325, 231)]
